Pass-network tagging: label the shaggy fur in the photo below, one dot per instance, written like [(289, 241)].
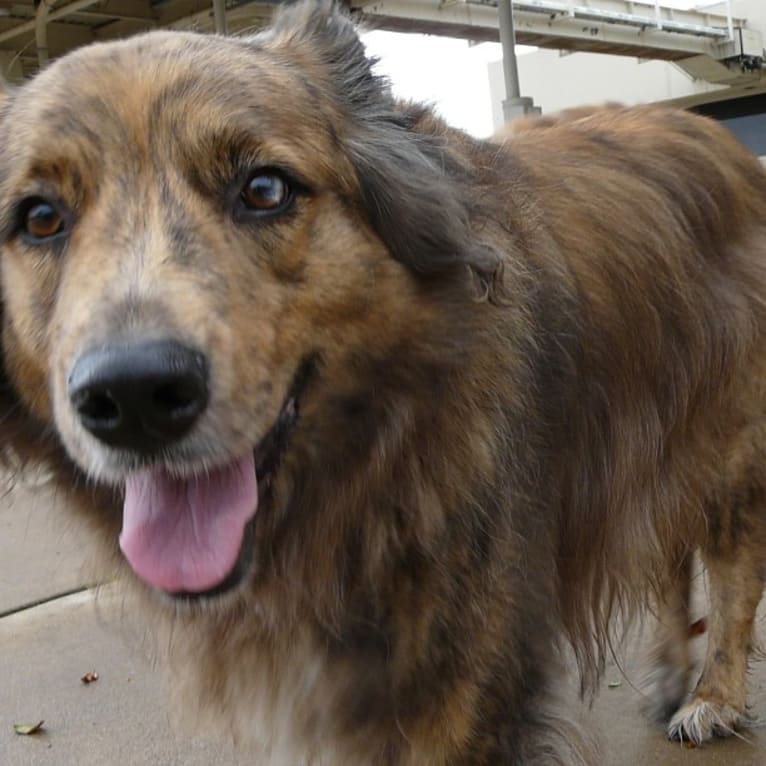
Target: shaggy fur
[(538, 372)]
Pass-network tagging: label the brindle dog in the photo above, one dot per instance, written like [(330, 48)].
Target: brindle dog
[(379, 413)]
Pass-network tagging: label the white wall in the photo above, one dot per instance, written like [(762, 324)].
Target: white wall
[(556, 81)]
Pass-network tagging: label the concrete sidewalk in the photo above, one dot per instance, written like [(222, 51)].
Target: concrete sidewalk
[(51, 635)]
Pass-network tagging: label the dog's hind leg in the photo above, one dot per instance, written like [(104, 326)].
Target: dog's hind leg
[(669, 659), (734, 556)]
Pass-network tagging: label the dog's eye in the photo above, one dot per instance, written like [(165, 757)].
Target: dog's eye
[(266, 192), (40, 220)]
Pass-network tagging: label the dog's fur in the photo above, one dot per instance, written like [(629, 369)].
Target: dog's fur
[(539, 373)]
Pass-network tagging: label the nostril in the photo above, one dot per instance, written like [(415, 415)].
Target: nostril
[(178, 399), (97, 406)]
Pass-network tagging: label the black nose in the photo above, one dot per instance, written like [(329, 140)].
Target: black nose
[(141, 396)]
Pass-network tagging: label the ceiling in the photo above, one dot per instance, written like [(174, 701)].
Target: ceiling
[(72, 23)]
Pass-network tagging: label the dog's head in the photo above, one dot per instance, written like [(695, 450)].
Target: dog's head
[(195, 230)]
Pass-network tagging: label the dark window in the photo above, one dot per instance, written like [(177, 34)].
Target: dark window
[(745, 117)]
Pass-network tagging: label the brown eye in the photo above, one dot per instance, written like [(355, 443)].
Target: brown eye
[(266, 192), (41, 221)]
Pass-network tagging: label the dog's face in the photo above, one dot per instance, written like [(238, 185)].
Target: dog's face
[(190, 226)]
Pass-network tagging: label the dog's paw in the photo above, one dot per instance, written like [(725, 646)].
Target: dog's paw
[(701, 720)]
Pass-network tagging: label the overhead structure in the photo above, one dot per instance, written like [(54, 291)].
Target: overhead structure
[(716, 47), (33, 31), (712, 46)]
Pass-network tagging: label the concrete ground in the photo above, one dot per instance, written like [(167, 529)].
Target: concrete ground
[(52, 632)]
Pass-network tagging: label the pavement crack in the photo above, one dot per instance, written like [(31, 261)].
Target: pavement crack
[(46, 600)]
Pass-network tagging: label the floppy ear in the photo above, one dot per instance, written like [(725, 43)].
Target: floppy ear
[(411, 186)]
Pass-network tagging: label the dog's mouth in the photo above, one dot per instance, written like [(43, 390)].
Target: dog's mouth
[(192, 536)]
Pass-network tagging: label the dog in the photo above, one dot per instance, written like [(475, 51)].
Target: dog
[(378, 417)]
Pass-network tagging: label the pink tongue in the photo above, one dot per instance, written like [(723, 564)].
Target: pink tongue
[(186, 534)]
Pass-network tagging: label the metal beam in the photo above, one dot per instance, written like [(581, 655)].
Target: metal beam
[(533, 26), (41, 32), (514, 105), (253, 14), (107, 17), (138, 9), (170, 11), (31, 26), (219, 11), (508, 42), (631, 14)]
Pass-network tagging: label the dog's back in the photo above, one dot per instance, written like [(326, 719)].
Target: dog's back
[(659, 225)]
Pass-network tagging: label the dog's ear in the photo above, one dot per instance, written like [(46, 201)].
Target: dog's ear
[(415, 194)]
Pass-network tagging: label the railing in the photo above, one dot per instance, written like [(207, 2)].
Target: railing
[(586, 12)]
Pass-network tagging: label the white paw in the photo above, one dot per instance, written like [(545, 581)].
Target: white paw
[(701, 720)]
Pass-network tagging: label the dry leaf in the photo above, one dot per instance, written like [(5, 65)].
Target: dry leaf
[(27, 729), (90, 677)]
